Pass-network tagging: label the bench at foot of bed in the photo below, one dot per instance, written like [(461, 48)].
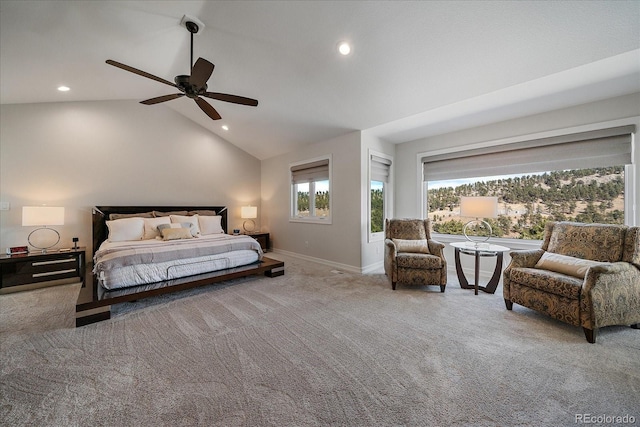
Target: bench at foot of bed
[(94, 302)]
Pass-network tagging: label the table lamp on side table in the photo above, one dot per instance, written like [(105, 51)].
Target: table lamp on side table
[(249, 213), (42, 217), (478, 207)]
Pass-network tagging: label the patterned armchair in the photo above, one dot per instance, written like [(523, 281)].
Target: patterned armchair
[(584, 274), (411, 257)]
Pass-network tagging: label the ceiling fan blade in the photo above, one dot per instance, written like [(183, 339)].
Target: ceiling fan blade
[(201, 72), (161, 99), (231, 98), (139, 72), (207, 108)]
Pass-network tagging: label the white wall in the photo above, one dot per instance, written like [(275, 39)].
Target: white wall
[(337, 243), (82, 154)]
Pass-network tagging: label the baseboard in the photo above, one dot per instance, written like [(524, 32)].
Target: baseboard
[(345, 267), (372, 267)]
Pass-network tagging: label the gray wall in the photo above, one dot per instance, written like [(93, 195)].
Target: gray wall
[(337, 243), (624, 107), (82, 154)]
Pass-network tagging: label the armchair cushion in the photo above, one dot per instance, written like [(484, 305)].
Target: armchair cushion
[(576, 267), (419, 261), (548, 281), (414, 246)]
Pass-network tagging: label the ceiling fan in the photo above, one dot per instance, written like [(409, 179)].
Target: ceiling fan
[(194, 85)]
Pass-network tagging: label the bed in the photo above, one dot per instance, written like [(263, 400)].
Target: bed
[(142, 251)]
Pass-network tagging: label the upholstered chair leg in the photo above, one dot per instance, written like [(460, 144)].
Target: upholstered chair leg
[(509, 304), (636, 326), (590, 334), (442, 288)]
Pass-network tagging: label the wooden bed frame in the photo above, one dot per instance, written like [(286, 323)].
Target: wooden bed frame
[(94, 302)]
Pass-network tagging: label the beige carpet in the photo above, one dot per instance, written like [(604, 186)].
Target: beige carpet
[(38, 310), (317, 348)]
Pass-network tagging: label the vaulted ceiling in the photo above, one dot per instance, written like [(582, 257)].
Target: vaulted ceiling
[(416, 68)]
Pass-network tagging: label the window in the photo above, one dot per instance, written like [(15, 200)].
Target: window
[(577, 177), (311, 190), (379, 194)]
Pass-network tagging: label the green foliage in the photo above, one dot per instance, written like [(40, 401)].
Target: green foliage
[(377, 210), (549, 196), (321, 201), (303, 201)]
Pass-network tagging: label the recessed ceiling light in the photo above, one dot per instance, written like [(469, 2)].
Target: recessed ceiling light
[(63, 88), (344, 48), (225, 127)]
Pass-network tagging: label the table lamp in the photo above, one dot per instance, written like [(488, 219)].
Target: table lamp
[(42, 217), (478, 207), (249, 213)]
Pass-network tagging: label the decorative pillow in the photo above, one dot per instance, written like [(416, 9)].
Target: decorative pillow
[(115, 216), (151, 226), (415, 246), (202, 212), (175, 233), (576, 267), (125, 229), (210, 224), (160, 213), (193, 220), (173, 225)]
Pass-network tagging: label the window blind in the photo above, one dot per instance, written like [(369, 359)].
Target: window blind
[(600, 148), (380, 168), (310, 172)]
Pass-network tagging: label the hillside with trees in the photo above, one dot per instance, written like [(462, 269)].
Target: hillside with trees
[(526, 203)]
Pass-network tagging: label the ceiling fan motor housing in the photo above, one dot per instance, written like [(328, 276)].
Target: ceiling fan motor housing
[(190, 90)]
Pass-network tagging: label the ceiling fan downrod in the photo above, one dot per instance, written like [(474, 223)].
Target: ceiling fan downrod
[(193, 28)]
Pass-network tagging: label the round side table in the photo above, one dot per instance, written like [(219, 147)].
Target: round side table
[(479, 250)]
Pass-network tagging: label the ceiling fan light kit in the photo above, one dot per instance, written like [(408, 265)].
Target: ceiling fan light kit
[(194, 85)]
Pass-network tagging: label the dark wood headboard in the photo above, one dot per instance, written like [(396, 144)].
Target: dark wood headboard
[(101, 216)]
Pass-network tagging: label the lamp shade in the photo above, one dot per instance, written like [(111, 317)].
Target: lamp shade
[(42, 215), (479, 207), (249, 212)]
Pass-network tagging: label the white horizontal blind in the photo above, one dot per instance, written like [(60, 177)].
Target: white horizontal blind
[(380, 168), (310, 172), (601, 148)]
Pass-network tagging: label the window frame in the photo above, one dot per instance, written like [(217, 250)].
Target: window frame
[(312, 218), (630, 177), (387, 194)]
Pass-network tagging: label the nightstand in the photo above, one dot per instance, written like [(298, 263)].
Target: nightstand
[(37, 270), (262, 238)]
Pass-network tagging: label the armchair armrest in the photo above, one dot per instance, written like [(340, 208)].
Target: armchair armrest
[(436, 248), (525, 258), (611, 295)]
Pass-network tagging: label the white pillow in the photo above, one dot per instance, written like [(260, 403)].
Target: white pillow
[(210, 224), (193, 220), (151, 226), (125, 229), (564, 264)]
